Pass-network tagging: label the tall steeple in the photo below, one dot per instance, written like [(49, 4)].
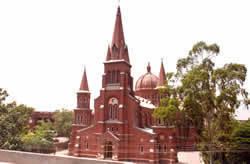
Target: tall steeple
[(84, 83), (118, 36), (162, 76), (118, 49)]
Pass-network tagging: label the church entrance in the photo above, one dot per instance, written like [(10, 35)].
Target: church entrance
[(108, 150)]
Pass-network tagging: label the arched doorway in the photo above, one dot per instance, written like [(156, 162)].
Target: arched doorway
[(108, 149)]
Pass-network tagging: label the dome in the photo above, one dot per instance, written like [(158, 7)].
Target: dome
[(147, 81)]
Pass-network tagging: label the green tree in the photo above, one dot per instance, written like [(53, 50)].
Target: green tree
[(13, 122), (63, 122), (240, 148), (40, 140), (3, 95), (209, 96), (169, 106)]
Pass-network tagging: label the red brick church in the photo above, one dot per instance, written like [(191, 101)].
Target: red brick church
[(121, 126)]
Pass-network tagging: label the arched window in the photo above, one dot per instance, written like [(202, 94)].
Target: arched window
[(109, 77), (78, 119), (159, 148), (159, 121), (141, 150), (118, 76), (86, 145), (85, 102), (113, 109), (165, 148), (113, 76), (84, 119), (148, 120), (145, 120), (87, 119), (81, 119)]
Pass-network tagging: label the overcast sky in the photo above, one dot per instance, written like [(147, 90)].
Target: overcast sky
[(44, 45)]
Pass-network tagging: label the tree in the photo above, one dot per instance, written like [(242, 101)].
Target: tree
[(3, 95), (209, 96), (63, 122), (13, 122), (169, 105), (40, 140), (240, 148)]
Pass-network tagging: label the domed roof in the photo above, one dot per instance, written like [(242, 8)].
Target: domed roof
[(147, 81)]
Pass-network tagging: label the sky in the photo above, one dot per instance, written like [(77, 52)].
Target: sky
[(44, 45)]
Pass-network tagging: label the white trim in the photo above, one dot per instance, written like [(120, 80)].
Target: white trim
[(113, 135), (146, 130), (83, 91), (161, 87), (81, 130), (145, 103), (113, 121), (114, 61), (82, 109), (152, 140)]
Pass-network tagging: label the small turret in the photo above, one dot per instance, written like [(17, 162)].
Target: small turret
[(162, 76), (83, 95)]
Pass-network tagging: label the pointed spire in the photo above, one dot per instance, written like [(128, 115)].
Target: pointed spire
[(118, 49), (118, 36), (149, 67), (108, 57), (126, 56), (84, 83), (162, 75)]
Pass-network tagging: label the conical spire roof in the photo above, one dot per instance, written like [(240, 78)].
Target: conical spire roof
[(84, 83), (118, 49), (162, 76), (108, 57), (118, 36)]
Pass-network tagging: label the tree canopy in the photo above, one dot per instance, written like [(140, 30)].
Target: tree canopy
[(239, 151), (207, 95), (63, 122), (13, 122), (40, 140)]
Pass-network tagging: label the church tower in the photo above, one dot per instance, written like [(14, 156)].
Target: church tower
[(117, 65), (111, 113), (83, 112), (122, 124)]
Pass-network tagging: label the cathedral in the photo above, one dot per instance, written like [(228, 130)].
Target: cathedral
[(121, 126)]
